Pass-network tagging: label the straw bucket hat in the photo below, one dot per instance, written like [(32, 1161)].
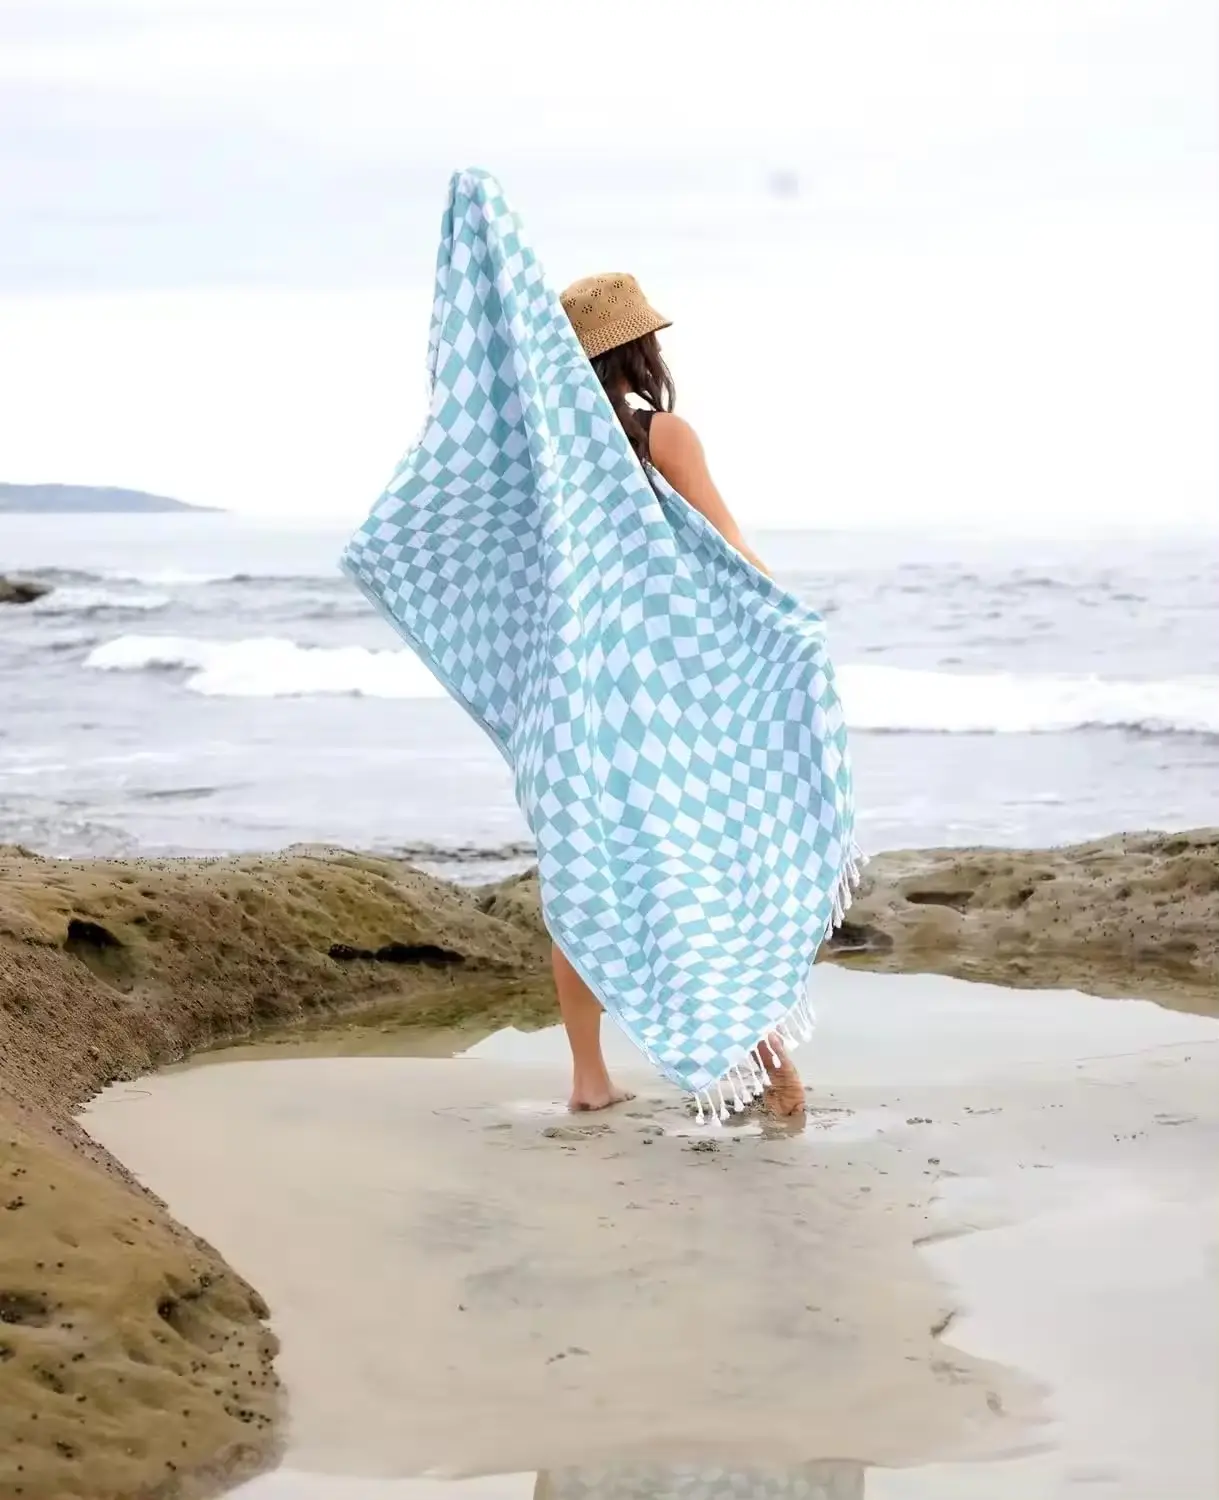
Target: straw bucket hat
[(609, 310)]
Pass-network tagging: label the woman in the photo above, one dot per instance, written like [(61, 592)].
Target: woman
[(617, 328)]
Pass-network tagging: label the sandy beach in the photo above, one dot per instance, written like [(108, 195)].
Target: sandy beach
[(776, 503), (997, 1245), (985, 1268)]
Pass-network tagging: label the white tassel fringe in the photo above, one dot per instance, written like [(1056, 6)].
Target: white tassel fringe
[(795, 1027)]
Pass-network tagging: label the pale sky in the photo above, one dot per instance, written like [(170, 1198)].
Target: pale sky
[(993, 299)]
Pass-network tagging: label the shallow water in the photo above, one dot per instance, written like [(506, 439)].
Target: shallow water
[(872, 1029), (467, 1281), (836, 1480)]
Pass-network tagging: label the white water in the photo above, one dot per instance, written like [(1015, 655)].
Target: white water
[(271, 667), (876, 697), (88, 600)]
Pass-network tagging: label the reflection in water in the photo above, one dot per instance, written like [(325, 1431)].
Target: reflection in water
[(812, 1481), (837, 1480)]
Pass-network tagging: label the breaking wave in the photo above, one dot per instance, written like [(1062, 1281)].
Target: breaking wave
[(877, 698)]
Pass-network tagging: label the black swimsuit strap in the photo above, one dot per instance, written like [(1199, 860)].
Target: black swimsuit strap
[(644, 415)]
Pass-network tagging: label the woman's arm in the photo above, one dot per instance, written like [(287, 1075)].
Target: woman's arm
[(678, 454)]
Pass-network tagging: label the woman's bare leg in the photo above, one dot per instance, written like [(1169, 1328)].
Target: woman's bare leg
[(784, 1094), (591, 1087)]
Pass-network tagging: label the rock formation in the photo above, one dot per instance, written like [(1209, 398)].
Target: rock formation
[(21, 590)]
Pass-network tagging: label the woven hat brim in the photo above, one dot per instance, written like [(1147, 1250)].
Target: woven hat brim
[(632, 325)]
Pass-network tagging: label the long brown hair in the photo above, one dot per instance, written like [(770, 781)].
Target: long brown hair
[(636, 369)]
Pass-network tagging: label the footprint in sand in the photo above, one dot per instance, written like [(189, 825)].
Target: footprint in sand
[(574, 1132)]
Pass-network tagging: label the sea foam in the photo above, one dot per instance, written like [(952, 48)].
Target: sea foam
[(877, 698)]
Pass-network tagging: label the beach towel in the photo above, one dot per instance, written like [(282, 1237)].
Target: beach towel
[(667, 711)]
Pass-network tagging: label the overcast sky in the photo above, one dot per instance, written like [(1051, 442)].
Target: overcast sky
[(992, 297)]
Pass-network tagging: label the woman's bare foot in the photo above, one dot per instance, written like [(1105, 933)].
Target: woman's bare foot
[(591, 1087), (784, 1094), (595, 1093)]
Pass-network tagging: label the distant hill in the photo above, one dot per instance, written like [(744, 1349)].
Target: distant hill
[(46, 498)]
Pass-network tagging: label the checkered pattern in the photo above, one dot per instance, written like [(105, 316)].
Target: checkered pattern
[(668, 712)]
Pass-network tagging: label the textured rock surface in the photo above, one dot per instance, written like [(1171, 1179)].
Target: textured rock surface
[(1133, 914), (131, 1356)]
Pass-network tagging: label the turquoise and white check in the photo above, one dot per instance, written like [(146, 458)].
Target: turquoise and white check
[(668, 712)]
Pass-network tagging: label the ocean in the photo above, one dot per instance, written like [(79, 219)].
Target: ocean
[(207, 683)]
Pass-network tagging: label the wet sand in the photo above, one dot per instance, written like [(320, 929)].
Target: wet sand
[(985, 1269)]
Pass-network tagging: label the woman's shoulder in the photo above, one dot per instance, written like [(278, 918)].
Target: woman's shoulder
[(671, 437)]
